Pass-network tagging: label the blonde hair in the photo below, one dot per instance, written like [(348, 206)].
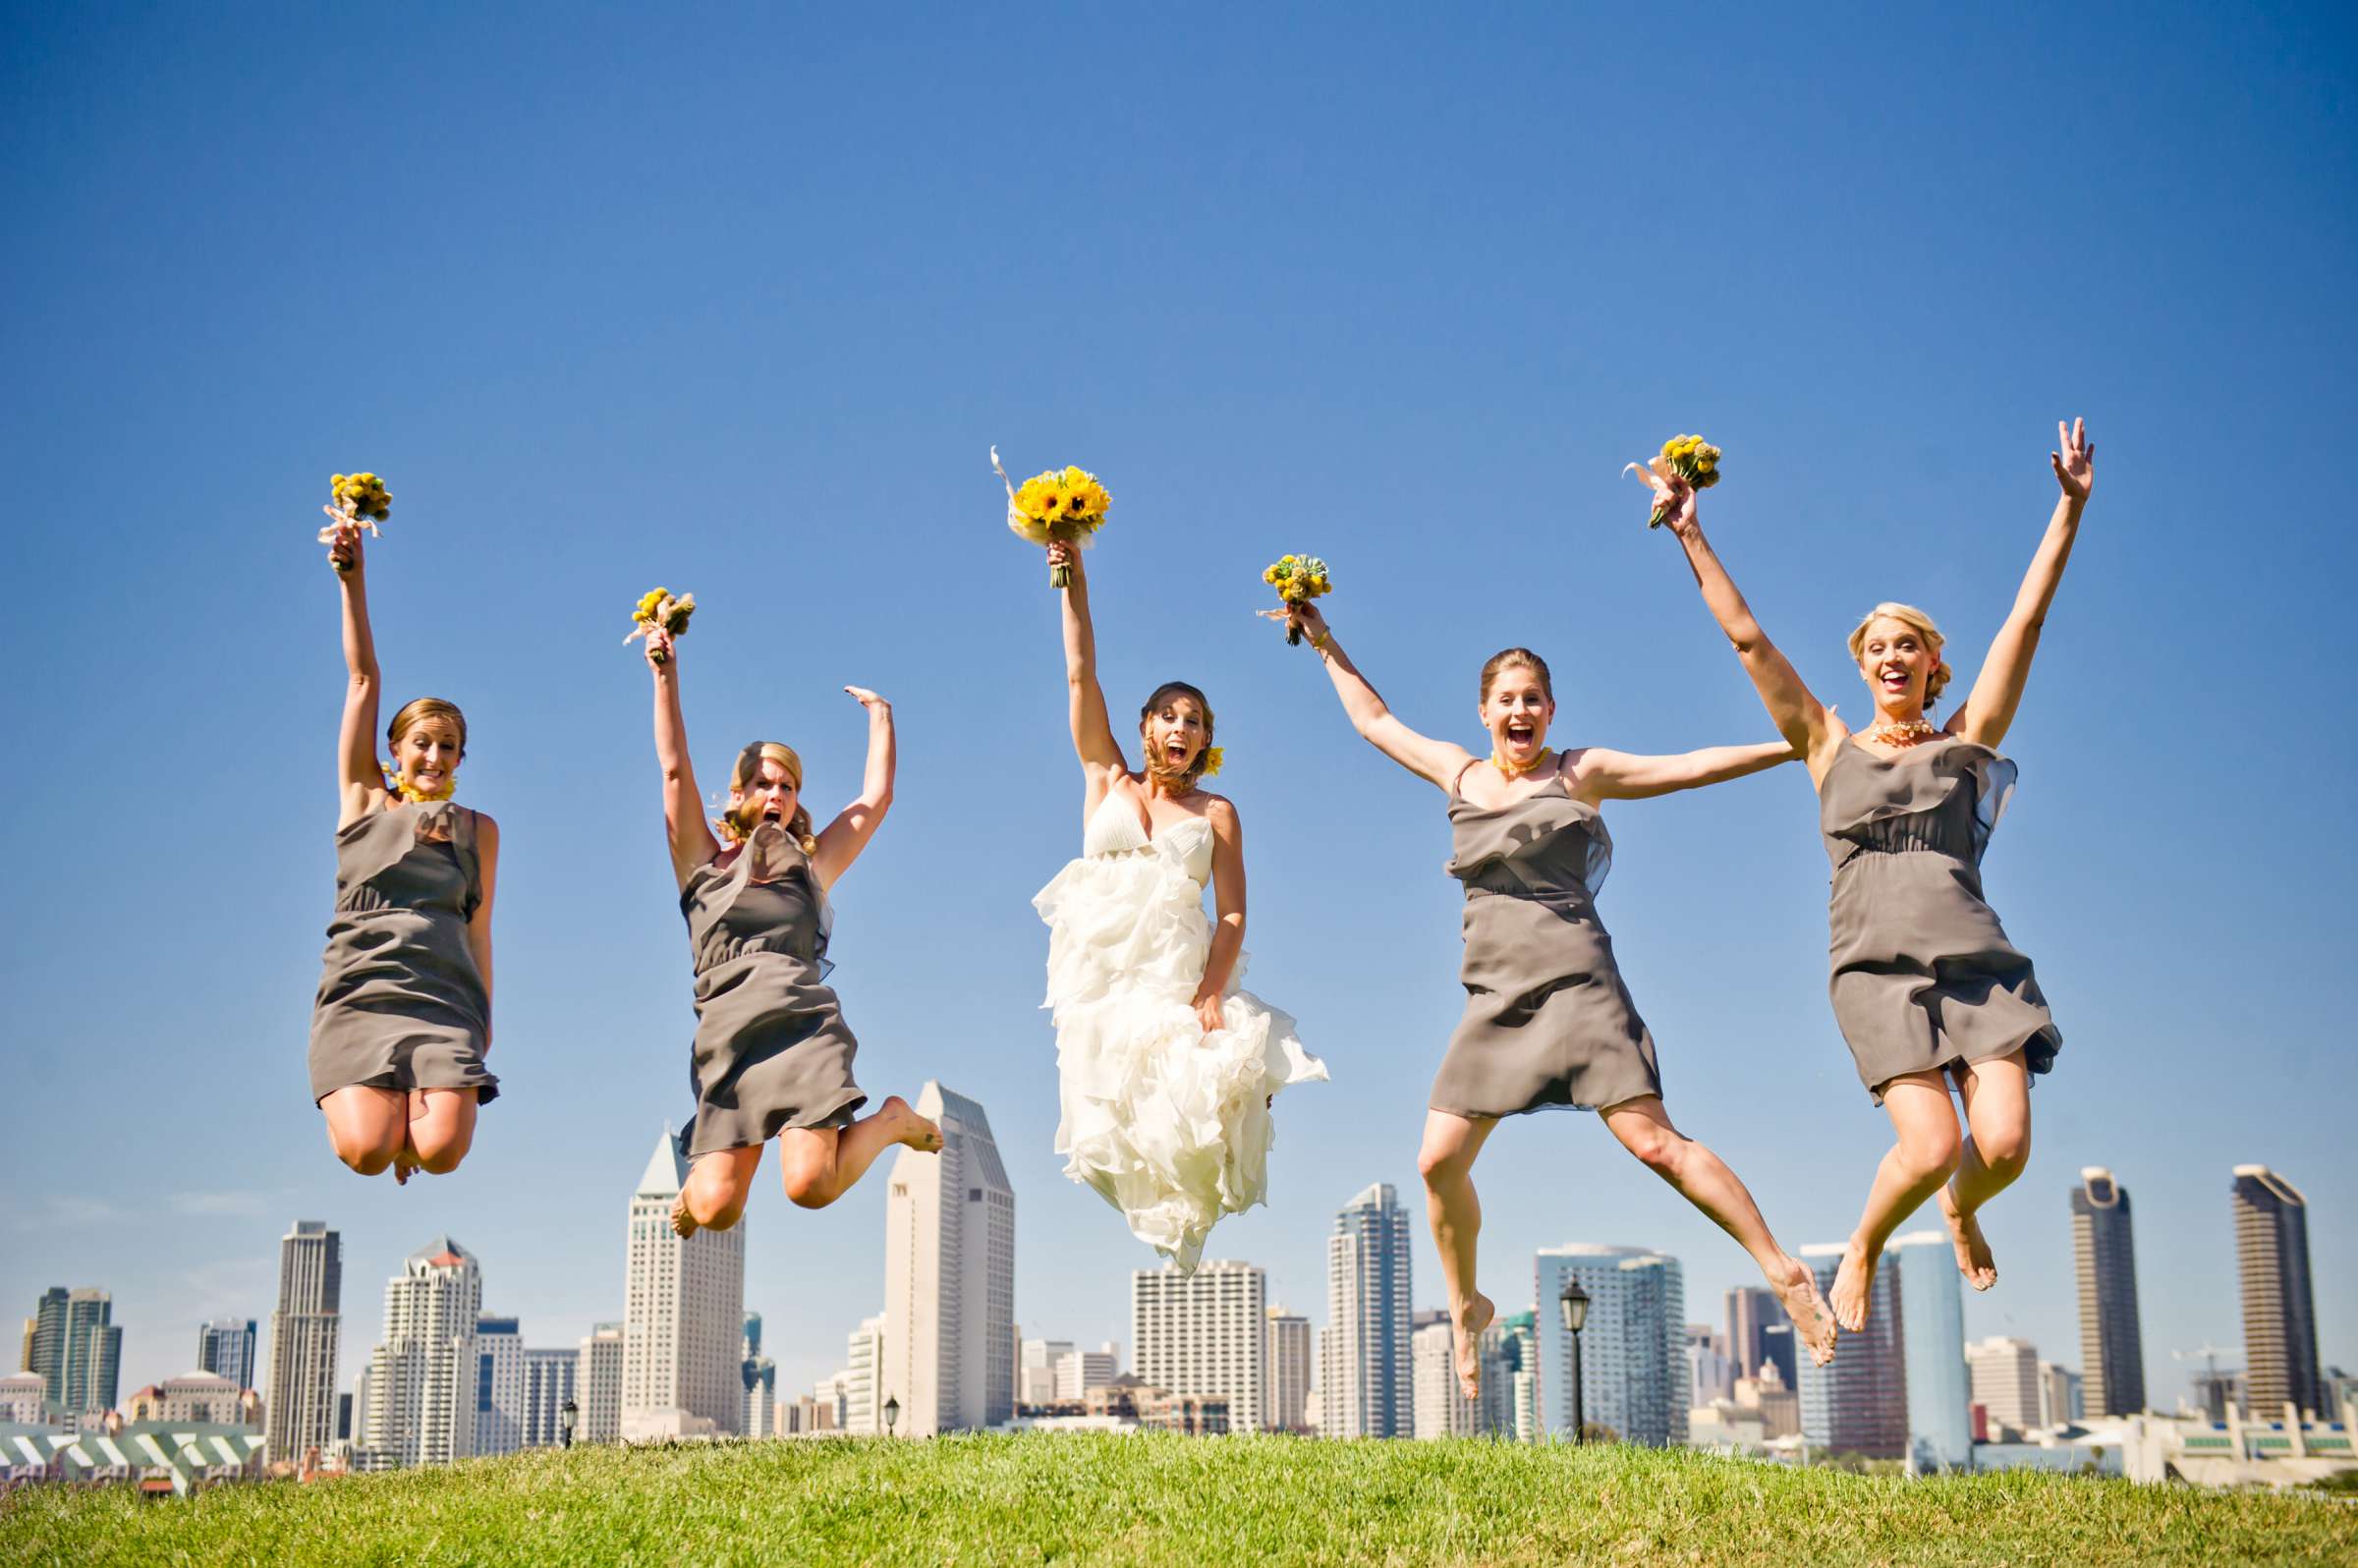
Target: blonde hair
[(420, 709), (1506, 658), (734, 825), (1206, 760), (1907, 615)]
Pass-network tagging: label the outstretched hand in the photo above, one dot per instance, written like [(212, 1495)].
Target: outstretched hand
[(1067, 555), (1303, 618), (870, 700), (343, 540), (2075, 465), (660, 650), (1673, 494)]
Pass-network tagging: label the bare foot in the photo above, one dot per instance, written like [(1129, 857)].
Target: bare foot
[(1853, 1284), (1973, 1249), (908, 1127), (1812, 1319), (404, 1167), (683, 1223), (1468, 1326)]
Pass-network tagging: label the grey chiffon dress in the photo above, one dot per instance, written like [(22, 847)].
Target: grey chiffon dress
[(402, 1004), (772, 1049), (1924, 977), (1547, 1020)]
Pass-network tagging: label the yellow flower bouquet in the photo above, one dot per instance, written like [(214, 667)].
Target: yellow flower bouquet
[(1297, 579), (359, 500), (1067, 504), (659, 611), (1684, 457)]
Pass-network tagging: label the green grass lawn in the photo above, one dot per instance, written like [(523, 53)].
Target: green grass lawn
[(1196, 1502)]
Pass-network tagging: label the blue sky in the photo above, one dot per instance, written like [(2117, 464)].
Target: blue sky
[(734, 301)]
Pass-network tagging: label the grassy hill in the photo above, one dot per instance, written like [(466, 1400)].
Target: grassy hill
[(1198, 1503)]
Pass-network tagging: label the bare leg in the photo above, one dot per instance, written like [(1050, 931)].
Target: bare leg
[(366, 1127), (1446, 1162), (441, 1128), (1916, 1167), (713, 1195), (1997, 1111), (819, 1165), (1702, 1178)]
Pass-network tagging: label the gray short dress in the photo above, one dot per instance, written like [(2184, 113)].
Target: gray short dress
[(771, 1051), (401, 1001), (1547, 1020), (1922, 974)]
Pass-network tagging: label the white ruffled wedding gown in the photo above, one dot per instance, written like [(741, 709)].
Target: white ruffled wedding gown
[(1168, 1124)]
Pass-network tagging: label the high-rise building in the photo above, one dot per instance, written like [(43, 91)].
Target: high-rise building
[(1510, 1378), (1365, 1374), (1711, 1372), (2061, 1401), (1438, 1406), (2006, 1381), (1206, 1333), (1752, 1310), (1931, 1302), (225, 1348), (1859, 1403), (1036, 1370), (425, 1374), (1633, 1364), (682, 1315), (761, 1376), (2279, 1312), (859, 1409), (598, 1377), (1289, 1371), (949, 1278), (550, 1378), (2105, 1257), (1080, 1371), (305, 1332), (499, 1389), (76, 1347)]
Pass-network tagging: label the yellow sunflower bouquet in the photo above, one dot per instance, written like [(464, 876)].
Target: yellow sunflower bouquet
[(359, 499), (659, 611), (1297, 579), (1067, 504), (1684, 457)]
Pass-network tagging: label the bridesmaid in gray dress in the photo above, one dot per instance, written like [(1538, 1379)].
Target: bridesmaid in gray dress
[(403, 1018), (1926, 988), (1547, 1020), (773, 1057)]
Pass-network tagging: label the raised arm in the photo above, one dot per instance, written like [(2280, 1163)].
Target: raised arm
[(1807, 725), (684, 826), (1989, 711), (1228, 904), (1601, 774), (841, 841), (359, 782), (1437, 762), (1093, 731), (478, 923)]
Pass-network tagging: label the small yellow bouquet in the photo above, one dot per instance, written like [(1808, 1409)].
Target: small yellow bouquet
[(359, 499), (1297, 579), (1686, 457), (659, 611), (1066, 504)]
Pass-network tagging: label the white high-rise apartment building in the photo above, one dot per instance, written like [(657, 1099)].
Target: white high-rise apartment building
[(1206, 1333), (1632, 1360), (1441, 1409), (499, 1396), (424, 1379), (683, 1316), (2005, 1380), (949, 1278), (1365, 1381), (300, 1411), (861, 1410), (1289, 1371), (225, 1348), (598, 1375), (550, 1377)]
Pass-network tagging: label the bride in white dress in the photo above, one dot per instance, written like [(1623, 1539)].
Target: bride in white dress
[(1166, 1071)]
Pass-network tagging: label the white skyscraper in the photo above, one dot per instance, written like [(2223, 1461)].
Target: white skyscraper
[(1036, 1370), (861, 1410), (550, 1377), (1206, 1333), (425, 1376), (683, 1316), (499, 1391), (1365, 1381), (599, 1379), (1633, 1358), (1441, 1408), (300, 1411), (1289, 1371), (949, 1278), (1080, 1371), (2005, 1380)]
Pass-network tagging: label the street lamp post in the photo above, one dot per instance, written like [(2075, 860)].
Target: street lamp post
[(892, 1414), (1574, 1303), (566, 1414)]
